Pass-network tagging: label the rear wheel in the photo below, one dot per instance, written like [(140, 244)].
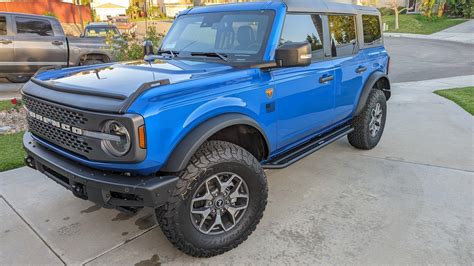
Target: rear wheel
[(92, 62), (370, 123), (218, 201)]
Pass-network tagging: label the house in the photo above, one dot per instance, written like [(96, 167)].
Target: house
[(102, 12)]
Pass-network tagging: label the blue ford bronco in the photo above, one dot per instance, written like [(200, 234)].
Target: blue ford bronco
[(232, 90)]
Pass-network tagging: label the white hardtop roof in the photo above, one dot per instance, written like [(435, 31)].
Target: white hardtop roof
[(326, 7)]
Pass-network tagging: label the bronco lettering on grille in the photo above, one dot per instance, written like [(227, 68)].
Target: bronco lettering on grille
[(55, 123)]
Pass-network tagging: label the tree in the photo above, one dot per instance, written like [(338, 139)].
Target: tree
[(79, 3), (441, 5), (427, 7), (396, 12)]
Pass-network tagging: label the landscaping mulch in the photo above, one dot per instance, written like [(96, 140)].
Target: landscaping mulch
[(13, 121)]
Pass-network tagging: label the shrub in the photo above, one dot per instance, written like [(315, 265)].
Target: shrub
[(461, 8), (129, 48)]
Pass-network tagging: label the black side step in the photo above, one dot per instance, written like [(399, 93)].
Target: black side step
[(299, 152)]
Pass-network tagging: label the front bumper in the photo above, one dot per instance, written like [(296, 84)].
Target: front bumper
[(110, 190)]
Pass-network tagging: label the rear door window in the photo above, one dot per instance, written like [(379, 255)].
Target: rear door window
[(342, 29), (371, 25), (3, 25), (304, 28), (33, 27)]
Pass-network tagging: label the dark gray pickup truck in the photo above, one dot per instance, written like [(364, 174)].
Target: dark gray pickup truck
[(29, 42)]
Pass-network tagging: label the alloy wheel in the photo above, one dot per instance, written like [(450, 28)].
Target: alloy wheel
[(375, 120), (219, 203)]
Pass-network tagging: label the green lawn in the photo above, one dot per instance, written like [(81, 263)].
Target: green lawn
[(463, 97), (5, 105), (418, 24), (11, 151)]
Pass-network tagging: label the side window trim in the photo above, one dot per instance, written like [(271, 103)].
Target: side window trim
[(8, 22), (357, 32), (377, 43), (325, 34), (15, 29)]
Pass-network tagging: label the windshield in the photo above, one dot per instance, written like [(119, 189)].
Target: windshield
[(92, 32), (238, 36)]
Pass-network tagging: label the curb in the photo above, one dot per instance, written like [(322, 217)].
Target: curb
[(425, 37)]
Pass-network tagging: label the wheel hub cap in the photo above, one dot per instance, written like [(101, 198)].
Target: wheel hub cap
[(375, 120), (219, 203)]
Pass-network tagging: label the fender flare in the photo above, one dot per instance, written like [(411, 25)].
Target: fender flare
[(191, 142), (369, 84)]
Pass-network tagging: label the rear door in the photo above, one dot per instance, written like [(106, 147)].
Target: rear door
[(304, 95), (350, 63), (38, 42), (6, 44)]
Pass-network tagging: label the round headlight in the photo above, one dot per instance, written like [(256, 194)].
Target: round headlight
[(120, 146)]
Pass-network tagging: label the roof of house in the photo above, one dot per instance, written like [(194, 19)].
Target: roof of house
[(110, 5)]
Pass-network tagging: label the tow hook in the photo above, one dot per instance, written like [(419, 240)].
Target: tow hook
[(30, 162), (78, 191)]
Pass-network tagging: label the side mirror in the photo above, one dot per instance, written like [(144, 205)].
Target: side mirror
[(147, 47), (293, 54)]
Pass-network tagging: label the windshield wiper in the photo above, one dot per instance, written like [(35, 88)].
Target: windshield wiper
[(171, 52), (211, 54)]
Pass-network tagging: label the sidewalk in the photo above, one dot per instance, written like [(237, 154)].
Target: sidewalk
[(463, 33), (408, 201)]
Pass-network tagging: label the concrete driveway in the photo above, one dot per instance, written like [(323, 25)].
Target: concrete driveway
[(407, 201)]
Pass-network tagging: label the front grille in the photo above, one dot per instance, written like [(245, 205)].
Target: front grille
[(54, 112), (52, 134), (51, 118), (60, 137)]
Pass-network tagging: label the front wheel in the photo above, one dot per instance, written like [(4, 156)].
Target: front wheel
[(218, 201), (370, 123)]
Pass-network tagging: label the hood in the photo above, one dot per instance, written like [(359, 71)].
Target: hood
[(109, 87)]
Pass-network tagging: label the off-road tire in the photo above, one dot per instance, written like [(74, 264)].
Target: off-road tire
[(213, 157), (361, 138)]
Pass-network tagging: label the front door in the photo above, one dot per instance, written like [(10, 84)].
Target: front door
[(6, 45), (37, 44), (304, 95)]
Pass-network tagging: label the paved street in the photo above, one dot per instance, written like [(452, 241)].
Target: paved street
[(407, 201), (421, 59)]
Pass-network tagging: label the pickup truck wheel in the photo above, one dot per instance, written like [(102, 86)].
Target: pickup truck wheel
[(218, 201), (370, 123), (18, 79), (92, 62)]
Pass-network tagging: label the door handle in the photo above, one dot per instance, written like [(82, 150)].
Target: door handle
[(57, 42), (5, 41), (326, 78), (361, 69)]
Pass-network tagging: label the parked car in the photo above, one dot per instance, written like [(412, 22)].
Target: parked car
[(232, 90), (29, 42), (101, 30), (124, 24)]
